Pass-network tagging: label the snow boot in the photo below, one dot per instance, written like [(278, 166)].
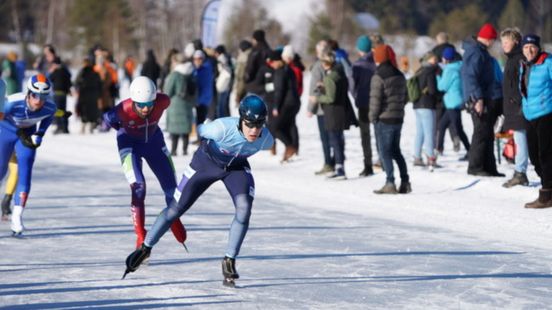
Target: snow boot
[(544, 200), (339, 173), (325, 169), (135, 259), (405, 187), (368, 171), (419, 162), (388, 188), (519, 178)]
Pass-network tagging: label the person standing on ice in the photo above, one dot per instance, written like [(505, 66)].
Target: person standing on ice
[(139, 137), (19, 133), (226, 143)]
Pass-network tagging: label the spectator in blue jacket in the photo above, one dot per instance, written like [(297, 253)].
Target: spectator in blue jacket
[(450, 82), (482, 93), (536, 93), (204, 79), (363, 70)]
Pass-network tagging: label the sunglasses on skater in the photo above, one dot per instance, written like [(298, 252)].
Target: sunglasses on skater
[(142, 105), (254, 124), (38, 96)]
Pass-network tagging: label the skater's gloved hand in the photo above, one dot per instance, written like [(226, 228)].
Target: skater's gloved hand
[(37, 138), (26, 139)]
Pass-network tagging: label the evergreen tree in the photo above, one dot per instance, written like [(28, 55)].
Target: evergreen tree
[(512, 15)]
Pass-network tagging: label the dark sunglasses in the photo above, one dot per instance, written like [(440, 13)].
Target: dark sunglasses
[(142, 105), (254, 124), (38, 96)]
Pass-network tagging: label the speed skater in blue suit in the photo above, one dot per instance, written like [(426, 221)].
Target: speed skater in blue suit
[(26, 117), (226, 143)]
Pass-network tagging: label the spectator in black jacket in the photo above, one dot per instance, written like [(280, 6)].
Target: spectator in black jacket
[(387, 100), (511, 105), (286, 105), (255, 61), (150, 67), (61, 80)]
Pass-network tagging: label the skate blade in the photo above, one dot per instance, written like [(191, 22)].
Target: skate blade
[(228, 282), (185, 247), (18, 235)]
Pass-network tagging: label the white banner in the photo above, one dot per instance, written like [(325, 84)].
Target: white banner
[(209, 20)]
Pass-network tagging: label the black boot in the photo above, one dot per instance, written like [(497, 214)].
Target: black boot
[(405, 187), (368, 171), (6, 202), (136, 258), (229, 268)]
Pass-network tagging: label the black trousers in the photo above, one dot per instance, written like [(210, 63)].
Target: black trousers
[(481, 155), (539, 140), (365, 137)]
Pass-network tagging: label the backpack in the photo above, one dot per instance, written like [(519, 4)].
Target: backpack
[(413, 88)]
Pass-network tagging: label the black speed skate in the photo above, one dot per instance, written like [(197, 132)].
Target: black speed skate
[(136, 258), (6, 211), (229, 272)]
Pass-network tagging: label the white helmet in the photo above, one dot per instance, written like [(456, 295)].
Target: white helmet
[(39, 84), (142, 89)]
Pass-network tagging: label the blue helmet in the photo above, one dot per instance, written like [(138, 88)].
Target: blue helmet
[(253, 109)]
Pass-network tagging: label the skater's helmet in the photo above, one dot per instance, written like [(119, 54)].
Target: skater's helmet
[(142, 90), (40, 85), (253, 109)]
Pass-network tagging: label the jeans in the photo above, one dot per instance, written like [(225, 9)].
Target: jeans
[(425, 132), (328, 159), (522, 150), (365, 138), (389, 140), (337, 143)]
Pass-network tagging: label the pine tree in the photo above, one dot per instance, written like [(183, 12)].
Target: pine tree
[(512, 15)]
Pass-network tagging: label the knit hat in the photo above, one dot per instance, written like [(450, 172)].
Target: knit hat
[(259, 35), (380, 54), (275, 55), (487, 32), (531, 39), (364, 44), (448, 53), (288, 52), (199, 54)]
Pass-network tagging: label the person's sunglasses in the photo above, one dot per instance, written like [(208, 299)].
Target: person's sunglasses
[(38, 96), (142, 105), (254, 124)]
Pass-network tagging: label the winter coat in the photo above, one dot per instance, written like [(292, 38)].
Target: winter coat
[(285, 89), (180, 111), (61, 80), (388, 95), (297, 67), (205, 83), (536, 87), (363, 70), (478, 72), (9, 76), (427, 81), (89, 86), (450, 83), (317, 75), (256, 60), (239, 73), (511, 106), (338, 111), (150, 68)]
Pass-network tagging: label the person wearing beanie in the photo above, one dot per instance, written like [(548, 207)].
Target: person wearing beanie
[(442, 40), (363, 70), (258, 35), (386, 112), (482, 92), (511, 106), (448, 54), (536, 94), (363, 44), (254, 82), (338, 113)]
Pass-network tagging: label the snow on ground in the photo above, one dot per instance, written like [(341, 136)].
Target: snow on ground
[(456, 241)]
